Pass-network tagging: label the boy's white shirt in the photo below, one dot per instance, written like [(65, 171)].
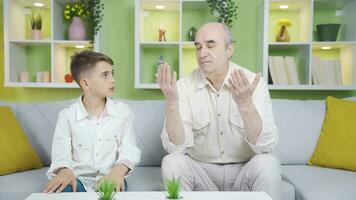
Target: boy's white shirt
[(91, 146)]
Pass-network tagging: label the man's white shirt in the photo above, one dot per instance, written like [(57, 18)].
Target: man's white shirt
[(213, 126)]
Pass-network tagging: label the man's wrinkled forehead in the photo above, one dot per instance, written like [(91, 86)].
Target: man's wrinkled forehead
[(210, 33)]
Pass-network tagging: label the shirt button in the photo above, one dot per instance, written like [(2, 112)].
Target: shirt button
[(218, 95), (222, 152), (80, 145), (99, 140), (96, 155), (218, 115), (221, 133), (97, 171)]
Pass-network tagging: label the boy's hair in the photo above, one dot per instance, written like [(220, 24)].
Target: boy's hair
[(85, 61)]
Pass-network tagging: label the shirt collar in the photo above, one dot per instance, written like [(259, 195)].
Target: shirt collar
[(81, 113), (202, 81)]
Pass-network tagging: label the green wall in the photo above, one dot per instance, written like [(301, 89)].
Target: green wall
[(118, 42)]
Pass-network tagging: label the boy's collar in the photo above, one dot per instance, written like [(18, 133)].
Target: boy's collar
[(81, 113)]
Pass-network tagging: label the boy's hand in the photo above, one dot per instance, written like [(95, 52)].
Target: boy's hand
[(117, 175), (64, 177)]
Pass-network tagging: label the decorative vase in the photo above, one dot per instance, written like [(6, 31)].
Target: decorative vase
[(327, 32), (68, 78), (77, 29), (36, 34), (191, 33), (283, 34)]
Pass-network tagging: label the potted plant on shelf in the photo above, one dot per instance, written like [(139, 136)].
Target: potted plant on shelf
[(74, 12), (225, 10), (95, 14), (36, 26), (107, 190), (172, 188)]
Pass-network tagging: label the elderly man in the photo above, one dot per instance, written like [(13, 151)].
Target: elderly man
[(219, 126)]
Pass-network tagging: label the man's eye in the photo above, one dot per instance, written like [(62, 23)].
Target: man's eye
[(105, 75), (198, 47), (211, 45)]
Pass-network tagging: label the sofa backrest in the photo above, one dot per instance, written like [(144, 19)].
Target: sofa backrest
[(298, 122), (39, 121)]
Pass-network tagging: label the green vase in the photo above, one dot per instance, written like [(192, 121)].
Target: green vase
[(191, 33), (327, 32)]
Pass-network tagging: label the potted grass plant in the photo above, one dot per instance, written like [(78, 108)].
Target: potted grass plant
[(106, 190), (172, 188), (36, 26)]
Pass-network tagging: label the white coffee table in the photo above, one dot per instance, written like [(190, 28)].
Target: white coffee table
[(154, 196)]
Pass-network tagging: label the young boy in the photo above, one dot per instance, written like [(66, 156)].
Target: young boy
[(94, 138)]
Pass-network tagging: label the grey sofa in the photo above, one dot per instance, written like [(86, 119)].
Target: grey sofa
[(299, 124)]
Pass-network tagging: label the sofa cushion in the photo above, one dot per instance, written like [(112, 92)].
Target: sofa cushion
[(21, 184), (337, 142), (150, 179), (16, 153), (313, 183), (145, 179), (299, 123), (149, 117), (39, 121)]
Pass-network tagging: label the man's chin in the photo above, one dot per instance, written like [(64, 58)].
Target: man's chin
[(206, 67)]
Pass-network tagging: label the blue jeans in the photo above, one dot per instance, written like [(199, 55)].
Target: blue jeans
[(80, 187)]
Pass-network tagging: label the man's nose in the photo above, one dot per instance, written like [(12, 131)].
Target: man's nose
[(203, 52)]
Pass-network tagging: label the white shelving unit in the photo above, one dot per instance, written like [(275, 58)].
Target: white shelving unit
[(177, 17), (304, 44), (50, 54)]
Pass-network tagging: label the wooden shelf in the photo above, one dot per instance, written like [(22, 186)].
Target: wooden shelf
[(305, 14), (50, 55)]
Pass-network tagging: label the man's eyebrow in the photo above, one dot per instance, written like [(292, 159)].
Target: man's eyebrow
[(208, 42)]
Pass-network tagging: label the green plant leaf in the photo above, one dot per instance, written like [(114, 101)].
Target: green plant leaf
[(172, 188)]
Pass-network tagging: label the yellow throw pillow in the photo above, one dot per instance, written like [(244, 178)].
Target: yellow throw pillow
[(16, 153), (336, 147)]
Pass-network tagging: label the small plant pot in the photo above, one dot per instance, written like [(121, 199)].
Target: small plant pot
[(36, 34), (181, 197), (327, 32)]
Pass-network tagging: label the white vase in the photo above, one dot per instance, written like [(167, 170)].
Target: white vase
[(36, 34), (77, 29)]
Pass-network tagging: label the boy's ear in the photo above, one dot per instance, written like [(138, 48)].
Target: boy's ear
[(84, 83)]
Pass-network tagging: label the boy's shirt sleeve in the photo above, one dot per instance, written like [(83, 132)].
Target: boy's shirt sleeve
[(129, 153), (61, 145)]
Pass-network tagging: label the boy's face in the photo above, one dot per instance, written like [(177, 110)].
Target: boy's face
[(100, 80)]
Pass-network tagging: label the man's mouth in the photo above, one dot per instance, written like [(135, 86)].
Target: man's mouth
[(205, 62)]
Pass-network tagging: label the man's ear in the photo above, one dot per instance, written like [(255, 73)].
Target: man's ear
[(230, 50)]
